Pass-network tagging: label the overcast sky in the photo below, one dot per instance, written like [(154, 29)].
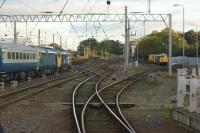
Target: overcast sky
[(113, 30)]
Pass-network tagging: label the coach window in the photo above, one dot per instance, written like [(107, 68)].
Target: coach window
[(33, 56), (24, 56), (30, 56), (17, 55), (21, 55), (27, 54), (13, 55), (9, 55)]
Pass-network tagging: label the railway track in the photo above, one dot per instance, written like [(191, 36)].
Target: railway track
[(23, 93), (89, 83), (101, 119), (20, 93)]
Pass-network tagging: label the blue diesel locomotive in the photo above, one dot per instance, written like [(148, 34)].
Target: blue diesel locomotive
[(18, 61), (47, 59), (65, 61)]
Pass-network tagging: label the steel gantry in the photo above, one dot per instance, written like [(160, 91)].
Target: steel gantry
[(95, 17), (83, 18)]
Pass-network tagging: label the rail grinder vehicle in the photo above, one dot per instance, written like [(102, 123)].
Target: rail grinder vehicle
[(18, 61), (159, 59)]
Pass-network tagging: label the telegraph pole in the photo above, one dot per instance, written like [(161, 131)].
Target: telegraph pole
[(60, 41), (45, 38), (53, 38), (149, 6), (15, 31), (197, 48), (170, 45), (39, 37), (66, 43), (84, 52), (126, 42)]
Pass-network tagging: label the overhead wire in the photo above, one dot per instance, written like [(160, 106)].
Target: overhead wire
[(103, 30), (75, 31), (70, 21), (2, 3), (34, 28), (63, 7)]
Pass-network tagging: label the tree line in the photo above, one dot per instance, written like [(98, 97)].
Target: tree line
[(154, 43), (103, 48), (157, 42)]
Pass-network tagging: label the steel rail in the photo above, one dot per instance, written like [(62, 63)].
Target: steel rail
[(110, 110), (83, 72), (74, 105), (73, 97), (119, 94), (107, 107), (131, 130), (14, 99), (49, 81), (87, 102)]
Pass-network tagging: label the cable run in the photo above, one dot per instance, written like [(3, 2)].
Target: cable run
[(2, 3), (63, 7), (75, 31), (103, 30)]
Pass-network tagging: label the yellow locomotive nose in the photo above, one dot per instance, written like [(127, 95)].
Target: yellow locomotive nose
[(38, 55), (59, 58), (164, 60)]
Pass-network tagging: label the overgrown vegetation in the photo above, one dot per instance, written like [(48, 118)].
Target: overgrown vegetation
[(157, 42), (154, 43), (56, 46), (94, 48)]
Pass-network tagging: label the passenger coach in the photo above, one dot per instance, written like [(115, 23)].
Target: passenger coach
[(16, 60)]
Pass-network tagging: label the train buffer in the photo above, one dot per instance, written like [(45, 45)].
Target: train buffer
[(99, 105)]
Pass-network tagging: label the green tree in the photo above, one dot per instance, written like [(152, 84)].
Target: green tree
[(190, 37), (111, 46), (157, 43), (90, 43), (56, 46)]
